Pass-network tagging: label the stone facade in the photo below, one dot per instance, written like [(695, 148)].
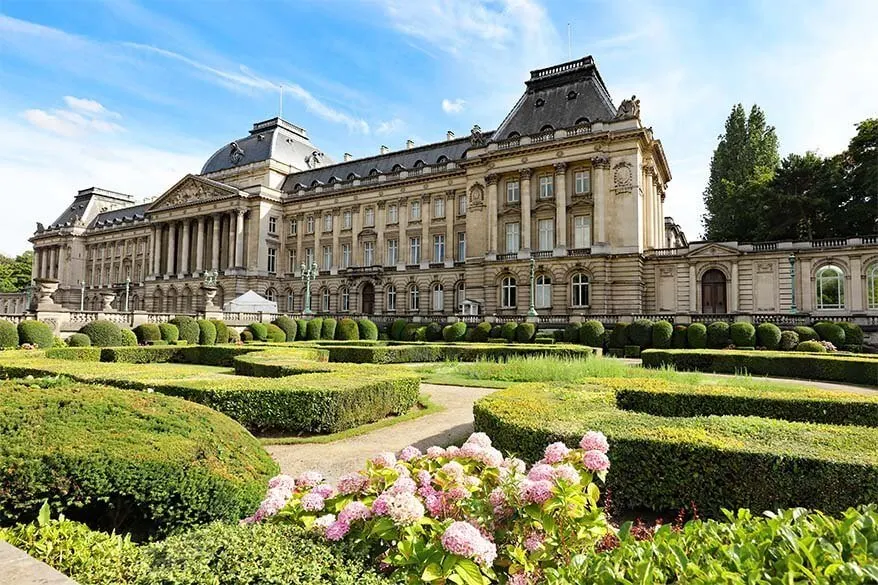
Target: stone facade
[(567, 179)]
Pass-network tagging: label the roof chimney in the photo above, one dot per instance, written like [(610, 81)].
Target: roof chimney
[(409, 144), (449, 135), (348, 156), (384, 149)]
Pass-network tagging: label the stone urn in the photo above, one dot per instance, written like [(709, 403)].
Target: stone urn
[(46, 288), (209, 294), (107, 299)]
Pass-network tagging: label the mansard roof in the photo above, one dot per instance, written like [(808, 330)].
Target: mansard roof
[(85, 203), (560, 96), (410, 158), (119, 216)]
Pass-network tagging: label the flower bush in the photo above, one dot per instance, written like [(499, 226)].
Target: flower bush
[(465, 515)]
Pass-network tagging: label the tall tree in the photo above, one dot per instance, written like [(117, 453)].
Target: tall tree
[(740, 169), (15, 273), (858, 209)]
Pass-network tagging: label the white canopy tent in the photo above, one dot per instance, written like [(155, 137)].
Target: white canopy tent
[(250, 302)]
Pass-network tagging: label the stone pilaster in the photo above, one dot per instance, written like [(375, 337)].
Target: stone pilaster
[(561, 206), (491, 182)]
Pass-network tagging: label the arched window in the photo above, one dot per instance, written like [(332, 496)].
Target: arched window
[(547, 128), (344, 298), (290, 306), (508, 293), (324, 300), (397, 168), (419, 164), (271, 294), (391, 298), (513, 135), (579, 290), (459, 296), (543, 292), (374, 172), (352, 176), (414, 299), (872, 286), (830, 287), (438, 300), (442, 160)]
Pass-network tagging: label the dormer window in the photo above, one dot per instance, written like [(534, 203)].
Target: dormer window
[(374, 173), (547, 128), (582, 122), (397, 168), (419, 164), (352, 176), (442, 160), (540, 102), (513, 136)]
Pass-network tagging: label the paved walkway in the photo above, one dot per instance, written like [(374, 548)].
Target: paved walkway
[(452, 425)]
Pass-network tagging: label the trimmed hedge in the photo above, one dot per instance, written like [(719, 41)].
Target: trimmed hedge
[(36, 333), (275, 334), (788, 341), (222, 331), (853, 335), (482, 332), (811, 347), (136, 462), (128, 337), (525, 332), (288, 326), (433, 332), (618, 336), (768, 336), (301, 329), (742, 334), (315, 327), (434, 352), (832, 368), (347, 330), (662, 332), (170, 332), (507, 331), (397, 328), (368, 329), (8, 335), (75, 353), (806, 333), (454, 332), (78, 340), (147, 333), (206, 332), (667, 463), (696, 335), (259, 331), (246, 336), (640, 333), (189, 330), (572, 333), (327, 330), (678, 337), (831, 332), (591, 333), (718, 335)]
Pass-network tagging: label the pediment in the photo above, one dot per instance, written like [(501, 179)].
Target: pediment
[(713, 250), (191, 190)]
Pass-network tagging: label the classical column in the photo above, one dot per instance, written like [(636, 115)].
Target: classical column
[(103, 270), (355, 237), (185, 248), (491, 181), (172, 249), (215, 243), (561, 204), (336, 233), (156, 249), (524, 193), (143, 259), (380, 218), (426, 243), (648, 220), (199, 245), (94, 265), (230, 244), (239, 239), (599, 164), (733, 297), (693, 290), (450, 212), (402, 250), (300, 242)]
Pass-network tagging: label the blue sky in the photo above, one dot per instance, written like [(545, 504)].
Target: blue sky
[(130, 95)]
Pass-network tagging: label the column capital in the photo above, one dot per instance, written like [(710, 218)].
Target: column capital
[(426, 198), (600, 162), (381, 204), (525, 173), (450, 193), (560, 167), (241, 212), (491, 179)]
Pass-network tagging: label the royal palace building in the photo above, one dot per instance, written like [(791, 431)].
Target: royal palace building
[(568, 179)]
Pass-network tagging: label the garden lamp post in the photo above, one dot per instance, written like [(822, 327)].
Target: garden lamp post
[(532, 310), (793, 283), (309, 273), (81, 295), (127, 291)]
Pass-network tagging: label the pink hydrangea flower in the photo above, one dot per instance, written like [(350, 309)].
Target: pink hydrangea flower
[(567, 472), (409, 453), (556, 452), (379, 506), (497, 497), (337, 530), (403, 485), (404, 509), (471, 481), (385, 459), (514, 464), (325, 491), (541, 471), (465, 540), (434, 505), (454, 471), (457, 493), (535, 492), (324, 522), (353, 512), (480, 439), (452, 451), (312, 502), (596, 460), (534, 541), (401, 469), (284, 482), (594, 441), (435, 452), (309, 479), (424, 478)]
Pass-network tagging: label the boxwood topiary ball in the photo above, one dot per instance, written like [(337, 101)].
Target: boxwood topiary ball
[(718, 335), (327, 331), (481, 332), (189, 330), (696, 335), (8, 334), (806, 333), (368, 329), (454, 332), (288, 325), (830, 332), (525, 332), (507, 331), (259, 331), (591, 333), (678, 338), (573, 333), (222, 331), (78, 340), (811, 347), (662, 332), (742, 334), (640, 333), (35, 333), (128, 337), (206, 332), (103, 333), (768, 336), (434, 332), (347, 330), (147, 333), (170, 332), (789, 340), (853, 334), (397, 328), (275, 334)]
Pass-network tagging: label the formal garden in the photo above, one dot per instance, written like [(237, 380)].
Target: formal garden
[(140, 457)]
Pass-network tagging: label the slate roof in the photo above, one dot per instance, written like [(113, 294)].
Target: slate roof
[(81, 203), (560, 96), (429, 154), (275, 138), (118, 216)]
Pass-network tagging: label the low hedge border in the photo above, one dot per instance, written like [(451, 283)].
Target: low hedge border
[(846, 369), (436, 352), (666, 463), (78, 354)]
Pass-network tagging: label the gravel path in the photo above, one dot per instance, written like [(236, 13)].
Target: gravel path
[(447, 427)]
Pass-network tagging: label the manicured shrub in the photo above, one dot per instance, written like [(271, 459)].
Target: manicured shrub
[(129, 461), (35, 333), (742, 334), (392, 354), (572, 333), (481, 332), (831, 332), (368, 329), (591, 333), (409, 332), (788, 341), (79, 340), (640, 333), (397, 328), (347, 330), (234, 336), (678, 337), (662, 332), (718, 335), (806, 333), (8, 335), (696, 335), (301, 329), (189, 330), (206, 332), (434, 332), (525, 332), (811, 347), (275, 334), (454, 332), (147, 333), (421, 333), (327, 329), (259, 331), (853, 335), (768, 336), (618, 336), (246, 336), (103, 333), (507, 331), (170, 332), (288, 325), (496, 332), (222, 331), (128, 337)]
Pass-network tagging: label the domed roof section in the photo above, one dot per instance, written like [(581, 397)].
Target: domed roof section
[(272, 139)]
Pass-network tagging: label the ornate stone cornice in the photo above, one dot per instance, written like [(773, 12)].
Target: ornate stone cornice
[(491, 179), (560, 167), (600, 162), (525, 173)]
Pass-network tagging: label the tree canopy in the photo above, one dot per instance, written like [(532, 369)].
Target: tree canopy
[(15, 273)]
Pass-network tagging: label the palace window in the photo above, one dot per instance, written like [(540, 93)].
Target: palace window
[(438, 300), (369, 217), (543, 292), (291, 261), (414, 299), (415, 208), (392, 252), (324, 300), (368, 253), (309, 225), (513, 237), (294, 227), (345, 255), (830, 287), (872, 286), (439, 207), (414, 250), (346, 221), (547, 187), (582, 182), (290, 301), (461, 246), (579, 290), (392, 214), (461, 205), (438, 248), (459, 296), (508, 293), (272, 225), (345, 299), (309, 257), (327, 257), (391, 298), (271, 294), (272, 260), (582, 231), (513, 191), (327, 222), (546, 233)]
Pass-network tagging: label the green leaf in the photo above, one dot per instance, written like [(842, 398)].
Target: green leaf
[(45, 515), (469, 572), (432, 572)]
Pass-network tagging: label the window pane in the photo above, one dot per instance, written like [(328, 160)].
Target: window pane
[(547, 234)]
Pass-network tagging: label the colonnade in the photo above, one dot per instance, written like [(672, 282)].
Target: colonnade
[(217, 239)]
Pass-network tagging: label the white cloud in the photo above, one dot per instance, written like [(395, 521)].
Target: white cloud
[(87, 106), (390, 127), (82, 116), (452, 107)]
